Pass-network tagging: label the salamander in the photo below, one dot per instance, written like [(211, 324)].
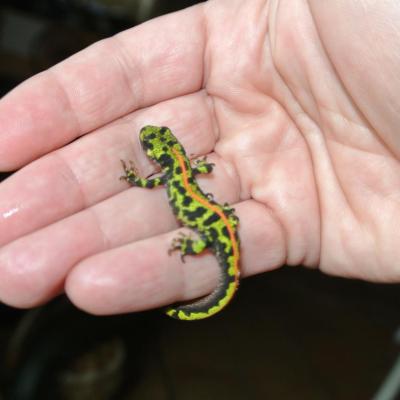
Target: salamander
[(216, 225)]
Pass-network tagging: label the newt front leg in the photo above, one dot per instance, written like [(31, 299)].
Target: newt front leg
[(133, 179), (201, 166)]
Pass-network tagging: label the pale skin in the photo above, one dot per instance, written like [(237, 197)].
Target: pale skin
[(297, 103)]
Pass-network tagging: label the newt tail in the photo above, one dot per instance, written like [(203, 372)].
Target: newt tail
[(210, 304)]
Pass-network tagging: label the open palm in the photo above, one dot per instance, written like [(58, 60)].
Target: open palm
[(297, 104)]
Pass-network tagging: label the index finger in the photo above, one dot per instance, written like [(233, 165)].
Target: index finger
[(152, 62)]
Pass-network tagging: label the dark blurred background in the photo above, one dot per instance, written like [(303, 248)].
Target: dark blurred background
[(289, 334)]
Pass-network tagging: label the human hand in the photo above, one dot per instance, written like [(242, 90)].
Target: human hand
[(297, 104)]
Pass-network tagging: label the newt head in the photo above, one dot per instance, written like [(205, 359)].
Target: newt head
[(160, 144)]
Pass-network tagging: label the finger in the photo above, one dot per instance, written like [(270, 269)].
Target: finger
[(155, 61), (33, 268), (88, 170), (142, 275)]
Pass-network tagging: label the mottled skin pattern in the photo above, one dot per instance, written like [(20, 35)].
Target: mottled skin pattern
[(215, 224)]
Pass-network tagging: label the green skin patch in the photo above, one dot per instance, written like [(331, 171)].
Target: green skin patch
[(215, 224)]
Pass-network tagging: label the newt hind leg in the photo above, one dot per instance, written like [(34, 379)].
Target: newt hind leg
[(187, 245)]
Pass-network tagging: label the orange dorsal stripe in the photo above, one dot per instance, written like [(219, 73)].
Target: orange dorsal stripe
[(212, 208)]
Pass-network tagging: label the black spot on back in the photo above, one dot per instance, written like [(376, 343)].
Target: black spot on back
[(178, 170), (225, 231), (187, 200), (214, 217), (165, 159), (179, 187), (197, 213)]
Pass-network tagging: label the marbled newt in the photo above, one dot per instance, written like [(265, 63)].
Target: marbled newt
[(215, 224)]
